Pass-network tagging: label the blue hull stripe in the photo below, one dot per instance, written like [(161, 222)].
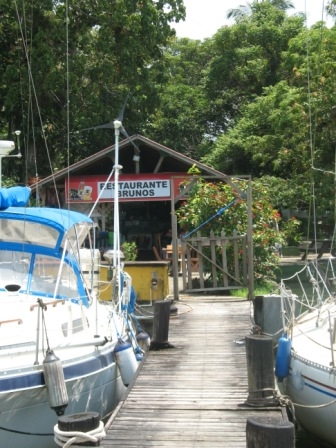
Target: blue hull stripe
[(320, 390), (319, 387), (36, 379)]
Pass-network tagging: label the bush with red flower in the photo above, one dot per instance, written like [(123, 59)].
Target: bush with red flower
[(205, 200)]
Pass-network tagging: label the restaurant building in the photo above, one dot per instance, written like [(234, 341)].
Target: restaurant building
[(149, 183)]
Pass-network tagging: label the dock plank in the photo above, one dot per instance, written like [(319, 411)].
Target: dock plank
[(193, 394)]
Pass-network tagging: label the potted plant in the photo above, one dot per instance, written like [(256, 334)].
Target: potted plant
[(129, 250)]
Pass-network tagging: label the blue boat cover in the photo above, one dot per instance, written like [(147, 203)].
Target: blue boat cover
[(14, 197)]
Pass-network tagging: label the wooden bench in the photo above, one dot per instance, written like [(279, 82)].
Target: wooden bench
[(318, 247), (168, 251)]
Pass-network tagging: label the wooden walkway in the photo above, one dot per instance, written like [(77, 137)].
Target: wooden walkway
[(192, 395)]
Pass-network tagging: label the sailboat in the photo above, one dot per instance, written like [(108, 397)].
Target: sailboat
[(306, 356), (62, 351)]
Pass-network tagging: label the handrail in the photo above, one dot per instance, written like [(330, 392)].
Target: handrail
[(19, 321), (52, 303)]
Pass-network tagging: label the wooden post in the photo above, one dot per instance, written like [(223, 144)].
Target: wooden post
[(78, 423), (249, 233), (174, 246), (260, 370), (269, 432), (268, 315), (161, 324)]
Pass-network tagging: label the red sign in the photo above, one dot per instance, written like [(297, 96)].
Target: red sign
[(131, 187)]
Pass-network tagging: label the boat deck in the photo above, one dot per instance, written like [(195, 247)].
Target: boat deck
[(193, 394)]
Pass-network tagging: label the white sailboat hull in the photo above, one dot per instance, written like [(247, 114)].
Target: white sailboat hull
[(312, 389), (26, 420), (55, 335)]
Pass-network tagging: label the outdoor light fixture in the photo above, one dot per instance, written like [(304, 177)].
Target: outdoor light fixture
[(18, 133), (136, 158), (6, 146)]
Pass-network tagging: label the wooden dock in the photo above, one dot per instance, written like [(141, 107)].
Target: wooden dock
[(194, 394)]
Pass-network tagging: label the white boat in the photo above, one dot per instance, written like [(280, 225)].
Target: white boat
[(306, 358), (49, 308)]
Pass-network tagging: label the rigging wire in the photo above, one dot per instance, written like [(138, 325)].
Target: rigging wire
[(312, 206), (24, 133), (312, 215), (32, 84), (67, 91)]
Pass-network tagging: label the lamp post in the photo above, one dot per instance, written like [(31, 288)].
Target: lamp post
[(18, 133), (6, 146)]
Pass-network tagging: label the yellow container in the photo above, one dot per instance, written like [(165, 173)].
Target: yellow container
[(149, 279)]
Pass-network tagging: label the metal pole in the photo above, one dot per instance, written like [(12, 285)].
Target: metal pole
[(250, 241), (174, 241), (116, 229)]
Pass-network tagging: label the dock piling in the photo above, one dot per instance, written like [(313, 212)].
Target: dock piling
[(161, 325), (269, 432), (83, 429), (260, 370)]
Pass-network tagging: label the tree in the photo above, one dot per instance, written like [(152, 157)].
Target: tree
[(247, 58), (289, 130), (180, 120), (270, 138), (112, 47), (245, 10)]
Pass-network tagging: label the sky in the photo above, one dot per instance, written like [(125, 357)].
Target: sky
[(205, 17)]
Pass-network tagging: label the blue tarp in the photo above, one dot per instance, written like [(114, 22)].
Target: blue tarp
[(14, 197)]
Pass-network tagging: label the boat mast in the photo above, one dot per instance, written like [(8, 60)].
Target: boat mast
[(116, 229)]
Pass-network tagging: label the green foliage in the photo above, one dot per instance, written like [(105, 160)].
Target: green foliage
[(110, 48), (206, 199), (290, 231), (258, 291), (269, 138), (247, 58), (257, 98), (180, 121), (129, 250), (193, 170)]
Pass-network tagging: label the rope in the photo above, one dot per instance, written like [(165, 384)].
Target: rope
[(272, 399), (218, 213), (284, 400), (65, 439), (314, 406)]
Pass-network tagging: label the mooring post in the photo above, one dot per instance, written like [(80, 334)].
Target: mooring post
[(161, 324), (269, 432), (86, 429), (260, 370), (268, 315)]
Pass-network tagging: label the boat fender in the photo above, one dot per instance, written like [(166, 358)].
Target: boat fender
[(283, 357), (143, 340), (126, 361), (55, 382), (139, 356)]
